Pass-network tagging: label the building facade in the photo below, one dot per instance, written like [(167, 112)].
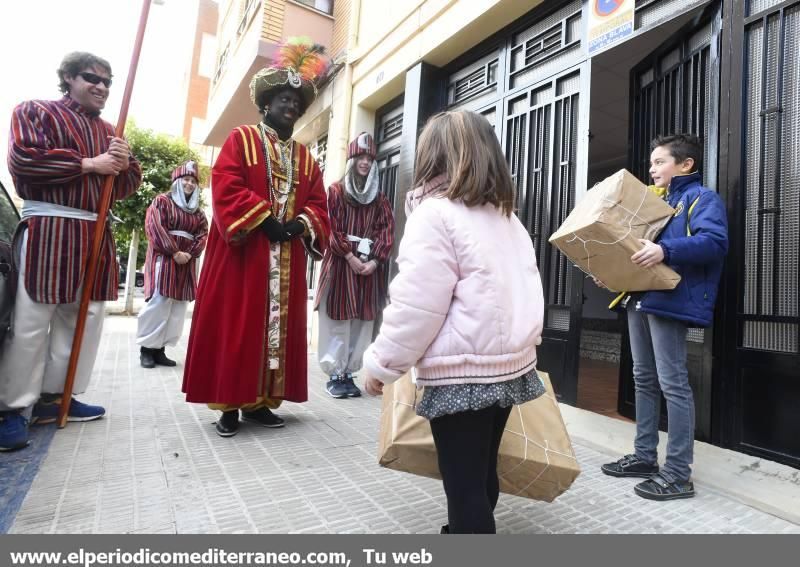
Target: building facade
[(248, 33), (201, 72), (568, 114), (727, 71)]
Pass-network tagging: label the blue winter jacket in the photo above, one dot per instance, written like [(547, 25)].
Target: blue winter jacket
[(695, 243)]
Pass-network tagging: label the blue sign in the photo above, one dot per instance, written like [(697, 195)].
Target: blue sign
[(605, 8), (610, 23)]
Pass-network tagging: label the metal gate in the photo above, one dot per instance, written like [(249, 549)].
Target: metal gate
[(761, 357), (519, 83), (676, 89), (541, 139), (388, 129)]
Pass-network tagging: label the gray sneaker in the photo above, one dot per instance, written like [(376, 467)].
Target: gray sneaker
[(352, 389), (662, 486), (337, 387), (630, 465)]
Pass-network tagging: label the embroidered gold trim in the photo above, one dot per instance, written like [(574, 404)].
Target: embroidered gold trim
[(246, 216), (264, 379), (274, 381), (321, 236), (246, 147), (261, 402), (295, 181), (256, 221), (253, 145), (310, 237), (270, 148), (278, 386)]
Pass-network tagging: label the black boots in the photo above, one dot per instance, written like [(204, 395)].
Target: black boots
[(146, 358), (228, 423), (161, 358), (263, 417), (149, 357)]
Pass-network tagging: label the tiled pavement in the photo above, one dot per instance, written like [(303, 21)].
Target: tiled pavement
[(155, 465), (17, 471)]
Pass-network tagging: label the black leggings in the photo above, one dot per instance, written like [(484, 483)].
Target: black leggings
[(467, 443)]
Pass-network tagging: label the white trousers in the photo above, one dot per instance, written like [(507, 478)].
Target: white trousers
[(36, 357), (161, 322), (341, 344)]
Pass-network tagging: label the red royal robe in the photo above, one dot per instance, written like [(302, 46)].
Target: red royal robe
[(227, 357)]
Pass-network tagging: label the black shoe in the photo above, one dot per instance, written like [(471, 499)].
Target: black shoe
[(228, 423), (662, 486), (263, 417), (337, 387), (146, 358), (351, 388), (445, 529), (160, 358), (631, 466)]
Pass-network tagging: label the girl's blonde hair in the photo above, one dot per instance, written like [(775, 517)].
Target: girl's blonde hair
[(462, 146)]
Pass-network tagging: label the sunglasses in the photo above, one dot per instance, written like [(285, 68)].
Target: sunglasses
[(95, 79)]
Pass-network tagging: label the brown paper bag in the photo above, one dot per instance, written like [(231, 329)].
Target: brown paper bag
[(603, 230), (536, 459)]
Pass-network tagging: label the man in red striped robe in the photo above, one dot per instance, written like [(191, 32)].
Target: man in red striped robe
[(247, 347), (176, 231), (59, 155), (352, 285)]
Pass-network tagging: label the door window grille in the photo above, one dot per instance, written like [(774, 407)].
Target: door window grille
[(771, 180), (541, 148)]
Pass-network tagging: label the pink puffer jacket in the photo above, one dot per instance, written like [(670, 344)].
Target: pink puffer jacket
[(467, 303)]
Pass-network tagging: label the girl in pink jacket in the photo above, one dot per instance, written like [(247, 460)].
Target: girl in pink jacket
[(466, 310)]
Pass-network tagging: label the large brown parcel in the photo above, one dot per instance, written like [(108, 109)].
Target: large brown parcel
[(603, 230), (536, 459)]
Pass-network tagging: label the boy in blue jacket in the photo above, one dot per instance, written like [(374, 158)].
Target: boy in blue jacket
[(694, 244)]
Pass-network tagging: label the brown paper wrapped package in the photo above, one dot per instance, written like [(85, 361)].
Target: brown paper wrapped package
[(536, 459), (603, 230)]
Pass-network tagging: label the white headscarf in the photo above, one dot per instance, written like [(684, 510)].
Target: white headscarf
[(179, 196), (367, 193)]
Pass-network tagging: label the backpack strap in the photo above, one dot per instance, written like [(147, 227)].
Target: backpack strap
[(617, 300), (689, 215)]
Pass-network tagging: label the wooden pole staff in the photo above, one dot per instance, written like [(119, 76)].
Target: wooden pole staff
[(99, 229)]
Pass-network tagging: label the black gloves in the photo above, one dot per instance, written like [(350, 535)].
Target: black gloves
[(277, 232), (274, 230), (294, 228)]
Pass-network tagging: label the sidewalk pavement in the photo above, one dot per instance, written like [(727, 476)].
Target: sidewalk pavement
[(118, 307), (155, 465)]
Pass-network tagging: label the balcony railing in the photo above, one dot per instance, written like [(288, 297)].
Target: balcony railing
[(223, 59), (247, 15), (325, 6)]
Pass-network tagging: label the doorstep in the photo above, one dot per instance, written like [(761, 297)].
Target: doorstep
[(765, 485)]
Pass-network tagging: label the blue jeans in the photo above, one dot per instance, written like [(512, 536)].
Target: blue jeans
[(658, 347)]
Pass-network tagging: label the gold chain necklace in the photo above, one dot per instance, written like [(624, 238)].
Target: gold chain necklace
[(286, 150)]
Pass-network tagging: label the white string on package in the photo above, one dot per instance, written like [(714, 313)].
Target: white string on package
[(528, 441), (633, 215)]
